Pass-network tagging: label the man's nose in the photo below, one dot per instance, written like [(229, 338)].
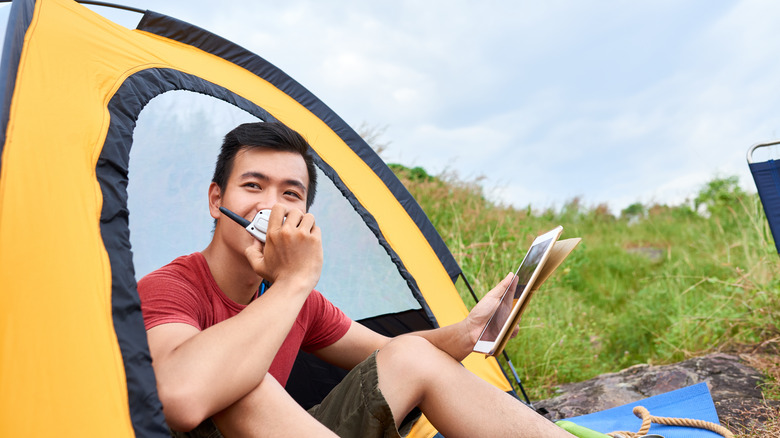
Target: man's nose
[(267, 201)]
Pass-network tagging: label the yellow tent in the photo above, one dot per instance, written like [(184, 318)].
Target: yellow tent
[(73, 354)]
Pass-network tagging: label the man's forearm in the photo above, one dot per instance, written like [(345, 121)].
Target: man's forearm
[(453, 339), (216, 367), (458, 339)]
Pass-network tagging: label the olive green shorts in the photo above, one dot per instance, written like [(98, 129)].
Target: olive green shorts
[(354, 408)]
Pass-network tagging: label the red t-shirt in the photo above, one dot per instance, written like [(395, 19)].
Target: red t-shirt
[(184, 291)]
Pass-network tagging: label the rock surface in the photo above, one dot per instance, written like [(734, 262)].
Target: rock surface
[(734, 386)]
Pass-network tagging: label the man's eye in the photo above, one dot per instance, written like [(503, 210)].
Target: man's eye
[(295, 194), (252, 185)]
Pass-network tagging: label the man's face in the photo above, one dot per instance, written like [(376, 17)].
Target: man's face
[(260, 179)]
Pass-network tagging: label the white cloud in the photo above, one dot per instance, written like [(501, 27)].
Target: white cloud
[(614, 101)]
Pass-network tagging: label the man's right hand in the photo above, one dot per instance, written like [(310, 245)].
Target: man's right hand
[(292, 250)]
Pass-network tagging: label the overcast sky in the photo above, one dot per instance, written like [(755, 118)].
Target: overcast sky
[(611, 101)]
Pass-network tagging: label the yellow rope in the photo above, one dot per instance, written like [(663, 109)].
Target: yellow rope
[(643, 413)]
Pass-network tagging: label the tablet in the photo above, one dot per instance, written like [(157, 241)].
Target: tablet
[(516, 296)]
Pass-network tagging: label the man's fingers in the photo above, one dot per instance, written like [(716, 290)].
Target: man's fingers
[(282, 218), (278, 214), (507, 279), (307, 222), (254, 253), (502, 285)]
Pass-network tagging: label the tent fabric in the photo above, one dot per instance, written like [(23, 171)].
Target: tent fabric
[(74, 356), (767, 178), (692, 402), (62, 371), (19, 21), (112, 174)]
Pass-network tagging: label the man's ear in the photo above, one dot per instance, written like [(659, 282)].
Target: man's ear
[(215, 200)]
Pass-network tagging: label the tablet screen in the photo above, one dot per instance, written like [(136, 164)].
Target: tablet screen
[(515, 290)]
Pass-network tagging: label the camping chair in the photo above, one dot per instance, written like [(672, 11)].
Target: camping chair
[(767, 177)]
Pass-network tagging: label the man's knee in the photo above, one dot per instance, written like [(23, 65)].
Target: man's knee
[(253, 405), (409, 344), (265, 392), (412, 355), (268, 410)]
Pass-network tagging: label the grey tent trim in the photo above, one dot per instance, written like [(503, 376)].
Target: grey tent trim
[(19, 19)]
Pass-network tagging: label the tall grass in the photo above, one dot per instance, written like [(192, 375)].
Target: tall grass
[(657, 284)]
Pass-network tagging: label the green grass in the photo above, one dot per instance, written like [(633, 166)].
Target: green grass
[(712, 280)]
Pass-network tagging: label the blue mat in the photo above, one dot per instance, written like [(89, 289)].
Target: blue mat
[(692, 402)]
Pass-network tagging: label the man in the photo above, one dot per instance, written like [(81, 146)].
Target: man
[(222, 351)]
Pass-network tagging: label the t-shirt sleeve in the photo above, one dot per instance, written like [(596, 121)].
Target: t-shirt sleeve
[(326, 322), (168, 298)]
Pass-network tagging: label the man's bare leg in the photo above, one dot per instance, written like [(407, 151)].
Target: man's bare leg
[(412, 372), (268, 411)]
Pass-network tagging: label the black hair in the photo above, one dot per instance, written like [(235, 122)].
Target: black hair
[(270, 135)]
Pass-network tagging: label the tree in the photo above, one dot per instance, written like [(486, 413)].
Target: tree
[(719, 197)]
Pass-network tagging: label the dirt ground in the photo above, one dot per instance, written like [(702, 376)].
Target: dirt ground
[(760, 419)]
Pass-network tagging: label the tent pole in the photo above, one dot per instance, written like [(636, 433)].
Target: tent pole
[(111, 5), (517, 379), (96, 3), (468, 285)]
